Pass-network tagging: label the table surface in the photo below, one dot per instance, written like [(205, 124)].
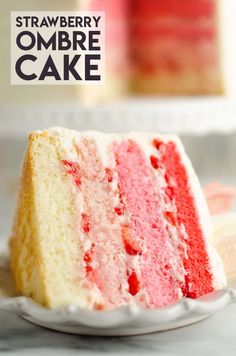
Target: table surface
[(213, 336)]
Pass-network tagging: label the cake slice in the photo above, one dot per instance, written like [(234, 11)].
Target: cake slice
[(109, 219)]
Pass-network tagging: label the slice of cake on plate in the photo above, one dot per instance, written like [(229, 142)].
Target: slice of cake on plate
[(109, 219)]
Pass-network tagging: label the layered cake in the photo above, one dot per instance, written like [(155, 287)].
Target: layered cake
[(109, 219), (175, 47), (166, 48)]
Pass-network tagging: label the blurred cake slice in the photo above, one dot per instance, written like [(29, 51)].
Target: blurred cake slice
[(181, 48), (108, 219)]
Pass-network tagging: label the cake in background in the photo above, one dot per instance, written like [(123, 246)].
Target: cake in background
[(175, 47), (163, 47), (122, 219), (155, 47), (166, 48)]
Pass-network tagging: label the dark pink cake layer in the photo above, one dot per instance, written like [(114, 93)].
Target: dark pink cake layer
[(198, 279)]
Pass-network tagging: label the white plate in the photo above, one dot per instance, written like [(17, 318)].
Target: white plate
[(127, 320)]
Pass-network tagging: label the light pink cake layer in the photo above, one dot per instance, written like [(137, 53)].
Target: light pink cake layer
[(104, 265)]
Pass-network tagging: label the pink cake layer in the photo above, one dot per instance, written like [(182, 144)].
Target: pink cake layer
[(140, 191), (140, 224)]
